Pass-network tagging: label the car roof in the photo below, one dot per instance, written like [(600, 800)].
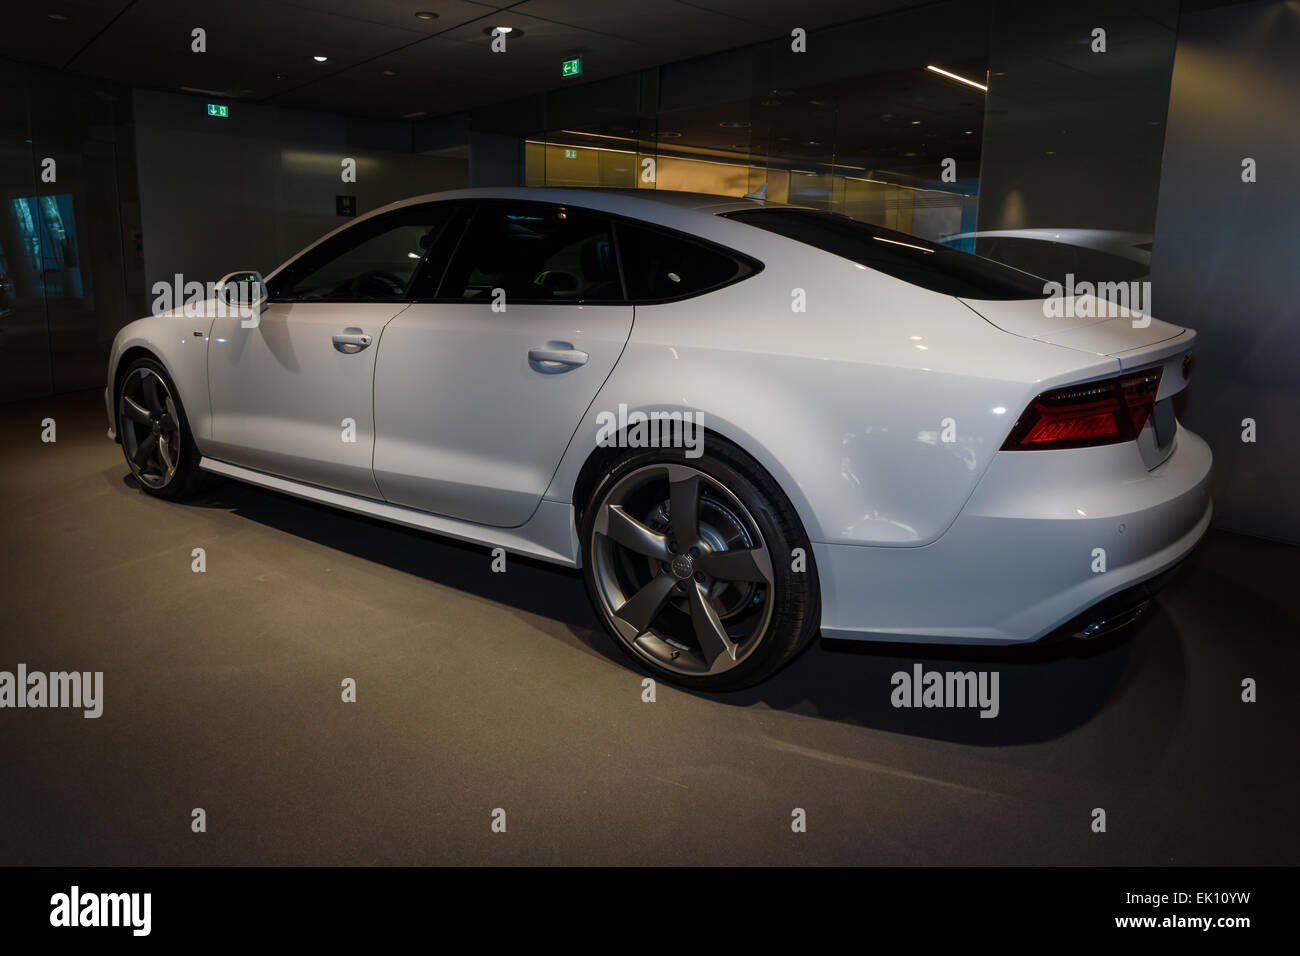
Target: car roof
[(633, 202), (663, 206)]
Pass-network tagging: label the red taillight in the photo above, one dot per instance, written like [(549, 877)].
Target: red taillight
[(1096, 413)]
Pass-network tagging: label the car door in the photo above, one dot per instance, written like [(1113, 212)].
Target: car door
[(480, 387), (293, 396)]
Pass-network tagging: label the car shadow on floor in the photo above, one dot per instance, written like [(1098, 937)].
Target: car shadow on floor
[(530, 586), (1044, 691)]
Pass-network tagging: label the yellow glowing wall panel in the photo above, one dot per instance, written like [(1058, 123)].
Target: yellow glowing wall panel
[(534, 164), (617, 168), (697, 176), (927, 212)]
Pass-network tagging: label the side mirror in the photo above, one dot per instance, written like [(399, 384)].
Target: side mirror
[(246, 292)]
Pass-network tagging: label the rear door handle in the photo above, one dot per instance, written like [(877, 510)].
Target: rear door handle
[(351, 341), (556, 357)]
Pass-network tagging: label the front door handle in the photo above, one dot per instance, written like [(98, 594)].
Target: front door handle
[(351, 341), (556, 357)]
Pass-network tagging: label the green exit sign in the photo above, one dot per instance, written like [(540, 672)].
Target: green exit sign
[(216, 109), (571, 67)]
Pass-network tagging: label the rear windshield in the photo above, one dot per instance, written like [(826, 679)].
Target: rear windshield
[(898, 254)]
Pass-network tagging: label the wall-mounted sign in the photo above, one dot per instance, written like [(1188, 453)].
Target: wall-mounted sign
[(571, 67), (217, 109)]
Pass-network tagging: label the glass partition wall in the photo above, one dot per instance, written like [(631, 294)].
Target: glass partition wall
[(707, 149), (1026, 132), (858, 124), (69, 240)]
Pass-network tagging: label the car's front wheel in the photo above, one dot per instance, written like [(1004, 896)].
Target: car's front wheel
[(154, 432), (692, 566)]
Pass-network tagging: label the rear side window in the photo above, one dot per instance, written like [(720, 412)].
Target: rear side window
[(660, 266), (897, 254), (536, 253)]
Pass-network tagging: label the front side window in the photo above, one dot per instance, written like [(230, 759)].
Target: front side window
[(897, 254), (376, 259), (535, 253)]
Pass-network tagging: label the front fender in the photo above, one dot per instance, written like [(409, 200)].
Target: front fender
[(180, 344)]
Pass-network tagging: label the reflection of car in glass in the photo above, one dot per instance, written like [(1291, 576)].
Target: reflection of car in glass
[(899, 443), (1091, 255)]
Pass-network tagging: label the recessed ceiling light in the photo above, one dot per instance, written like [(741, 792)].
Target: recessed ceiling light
[(390, 72), (320, 59), (415, 115), (425, 15), (734, 124), (59, 16), (670, 134)]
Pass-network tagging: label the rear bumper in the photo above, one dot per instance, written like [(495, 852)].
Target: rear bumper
[(1116, 611), (1018, 563)]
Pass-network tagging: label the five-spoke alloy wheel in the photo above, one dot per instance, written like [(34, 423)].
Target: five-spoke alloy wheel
[(153, 431), (688, 564)]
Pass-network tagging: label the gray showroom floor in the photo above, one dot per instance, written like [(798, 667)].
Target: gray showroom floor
[(478, 691)]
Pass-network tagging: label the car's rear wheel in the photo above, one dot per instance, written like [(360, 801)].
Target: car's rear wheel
[(154, 432), (691, 567)]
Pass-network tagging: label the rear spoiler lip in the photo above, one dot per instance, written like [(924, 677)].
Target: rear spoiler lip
[(1155, 352), (1168, 354)]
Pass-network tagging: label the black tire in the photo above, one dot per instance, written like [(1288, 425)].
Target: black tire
[(165, 435), (749, 511)]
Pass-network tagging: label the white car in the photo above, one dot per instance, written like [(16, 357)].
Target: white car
[(898, 442)]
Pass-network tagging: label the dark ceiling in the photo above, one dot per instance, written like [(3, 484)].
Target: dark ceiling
[(383, 61), (895, 116)]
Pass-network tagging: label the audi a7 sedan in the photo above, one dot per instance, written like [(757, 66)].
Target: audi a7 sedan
[(861, 434)]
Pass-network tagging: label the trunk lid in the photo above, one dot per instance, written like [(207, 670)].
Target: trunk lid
[(1078, 322)]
